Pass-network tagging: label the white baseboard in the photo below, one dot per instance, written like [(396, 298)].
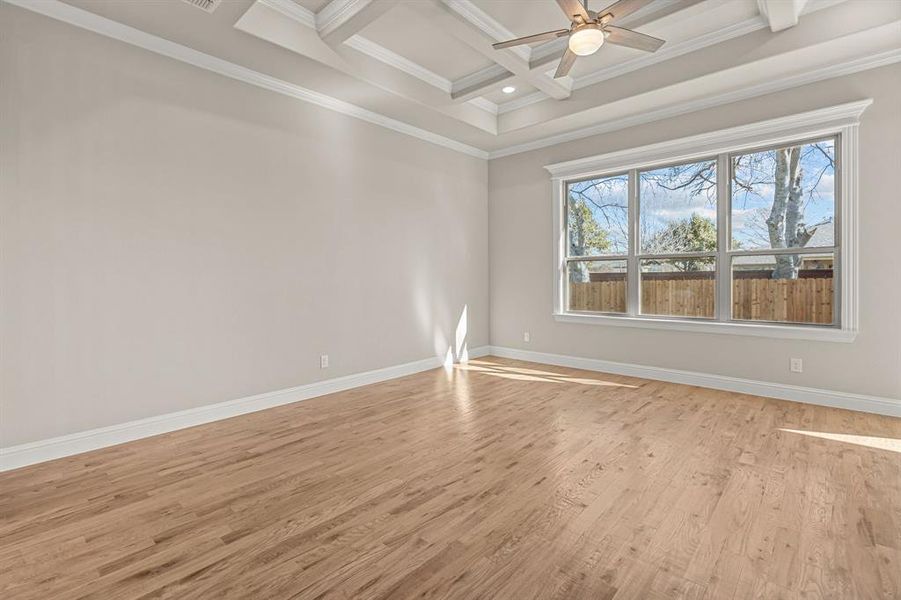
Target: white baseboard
[(859, 402), (31, 453)]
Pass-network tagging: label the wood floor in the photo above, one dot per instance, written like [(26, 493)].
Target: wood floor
[(502, 479)]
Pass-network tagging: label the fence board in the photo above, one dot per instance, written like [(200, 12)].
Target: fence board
[(804, 300)]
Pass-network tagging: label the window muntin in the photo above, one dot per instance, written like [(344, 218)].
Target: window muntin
[(686, 239)]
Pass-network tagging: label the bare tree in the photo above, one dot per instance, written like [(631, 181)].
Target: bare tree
[(785, 223)]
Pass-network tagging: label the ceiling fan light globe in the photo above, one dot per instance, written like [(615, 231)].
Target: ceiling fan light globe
[(586, 41)]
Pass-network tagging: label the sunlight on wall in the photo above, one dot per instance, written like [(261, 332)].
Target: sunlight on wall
[(449, 360), (879, 443), (459, 352), (460, 337)]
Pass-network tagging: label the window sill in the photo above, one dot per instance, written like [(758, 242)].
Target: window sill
[(819, 334)]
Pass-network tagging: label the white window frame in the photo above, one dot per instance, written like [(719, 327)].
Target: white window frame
[(842, 121)]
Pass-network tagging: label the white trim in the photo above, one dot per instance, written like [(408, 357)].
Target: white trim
[(123, 33), (842, 119), (336, 13), (670, 51), (771, 131), (819, 334), (486, 24), (859, 402), (667, 52), (292, 10), (392, 59), (775, 85), (380, 53), (377, 51), (81, 18), (35, 452)]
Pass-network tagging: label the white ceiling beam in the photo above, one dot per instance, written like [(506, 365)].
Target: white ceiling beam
[(781, 14), (340, 19), (266, 19), (543, 55), (467, 23), (475, 84)]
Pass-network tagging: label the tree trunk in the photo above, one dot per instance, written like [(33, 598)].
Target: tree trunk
[(578, 273), (786, 215)]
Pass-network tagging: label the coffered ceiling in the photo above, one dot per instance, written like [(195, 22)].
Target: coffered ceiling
[(426, 67)]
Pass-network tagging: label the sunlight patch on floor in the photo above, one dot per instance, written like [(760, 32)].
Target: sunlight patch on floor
[(523, 374), (879, 443)]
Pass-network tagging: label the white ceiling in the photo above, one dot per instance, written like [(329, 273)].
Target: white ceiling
[(407, 61)]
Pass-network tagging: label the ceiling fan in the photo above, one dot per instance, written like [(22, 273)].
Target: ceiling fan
[(589, 30)]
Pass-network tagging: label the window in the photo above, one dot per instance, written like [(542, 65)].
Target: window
[(749, 236), (782, 214)]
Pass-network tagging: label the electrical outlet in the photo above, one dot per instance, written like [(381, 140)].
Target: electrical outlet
[(796, 365), (323, 361), (526, 336)]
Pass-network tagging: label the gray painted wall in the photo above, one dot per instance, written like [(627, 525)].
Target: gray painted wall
[(521, 250), (171, 238)]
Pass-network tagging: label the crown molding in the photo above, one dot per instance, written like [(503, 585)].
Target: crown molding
[(831, 71), (293, 10), (666, 53), (87, 20), (670, 51), (124, 33), (378, 52), (769, 131), (337, 12), (487, 24)]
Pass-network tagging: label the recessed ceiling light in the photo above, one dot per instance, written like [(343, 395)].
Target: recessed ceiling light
[(508, 89)]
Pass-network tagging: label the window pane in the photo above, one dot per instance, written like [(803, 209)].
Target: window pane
[(598, 286), (784, 197), (678, 209), (788, 288), (683, 287), (598, 216)]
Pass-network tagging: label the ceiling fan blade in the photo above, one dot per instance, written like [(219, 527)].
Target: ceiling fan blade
[(538, 37), (566, 63), (633, 39), (572, 8), (623, 8)]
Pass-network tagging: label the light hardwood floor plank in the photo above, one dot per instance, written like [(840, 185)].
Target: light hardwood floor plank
[(497, 479)]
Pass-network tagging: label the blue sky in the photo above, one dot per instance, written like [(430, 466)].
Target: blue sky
[(608, 197), (750, 208)]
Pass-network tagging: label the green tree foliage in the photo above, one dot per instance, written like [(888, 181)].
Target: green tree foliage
[(585, 235), (693, 234)]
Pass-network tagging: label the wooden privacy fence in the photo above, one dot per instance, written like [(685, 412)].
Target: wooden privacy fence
[(804, 300)]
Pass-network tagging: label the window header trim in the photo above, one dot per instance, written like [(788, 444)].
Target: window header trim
[(821, 122)]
